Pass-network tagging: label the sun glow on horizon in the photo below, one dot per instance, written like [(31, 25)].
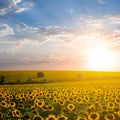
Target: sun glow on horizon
[(101, 59)]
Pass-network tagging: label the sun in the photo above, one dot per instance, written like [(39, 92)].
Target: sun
[(100, 59)]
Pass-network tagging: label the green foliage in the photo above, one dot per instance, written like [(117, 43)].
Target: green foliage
[(29, 80), (2, 79), (18, 81), (40, 74), (54, 76)]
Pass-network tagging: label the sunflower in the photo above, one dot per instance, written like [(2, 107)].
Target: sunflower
[(62, 102), (13, 112), (62, 117), (55, 100), (94, 116), (11, 104), (79, 100), (38, 118), (7, 98), (92, 107), (22, 95), (51, 117), (32, 107), (81, 118), (1, 115), (17, 97), (104, 113), (36, 101), (27, 117), (23, 99), (88, 111), (97, 104), (18, 114), (40, 103), (11, 96), (97, 99), (116, 109), (20, 107), (103, 107), (118, 113), (106, 98), (3, 104), (35, 112), (111, 105), (117, 100), (71, 99), (70, 107), (110, 117), (1, 95), (48, 95), (31, 97), (86, 99), (50, 108), (44, 108)]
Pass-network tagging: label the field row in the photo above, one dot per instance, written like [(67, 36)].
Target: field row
[(64, 101)]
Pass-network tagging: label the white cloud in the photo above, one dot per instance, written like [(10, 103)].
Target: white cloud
[(15, 2), (94, 31), (112, 19), (114, 39), (21, 10), (95, 23), (48, 59), (22, 27), (5, 30), (70, 11), (9, 6), (102, 1), (26, 6)]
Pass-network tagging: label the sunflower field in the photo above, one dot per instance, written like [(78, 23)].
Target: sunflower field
[(77, 100)]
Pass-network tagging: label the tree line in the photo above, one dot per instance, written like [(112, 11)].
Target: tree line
[(40, 76)]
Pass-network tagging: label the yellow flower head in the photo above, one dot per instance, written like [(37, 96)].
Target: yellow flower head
[(71, 107), (12, 104), (51, 117), (1, 115), (94, 116), (62, 117), (110, 117), (111, 104), (40, 103), (61, 102), (50, 107), (17, 112), (79, 100), (38, 118), (3, 104), (81, 118)]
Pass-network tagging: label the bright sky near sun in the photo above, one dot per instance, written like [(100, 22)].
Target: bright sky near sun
[(60, 35)]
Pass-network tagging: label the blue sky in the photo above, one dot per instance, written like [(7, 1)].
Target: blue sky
[(57, 34)]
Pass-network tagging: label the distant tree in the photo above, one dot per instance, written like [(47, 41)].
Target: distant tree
[(45, 80), (40, 74), (29, 80), (79, 76), (2, 79), (18, 80)]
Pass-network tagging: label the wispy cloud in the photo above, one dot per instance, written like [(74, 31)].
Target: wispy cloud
[(88, 34), (22, 27), (70, 11), (102, 1), (5, 30), (13, 6), (69, 43)]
